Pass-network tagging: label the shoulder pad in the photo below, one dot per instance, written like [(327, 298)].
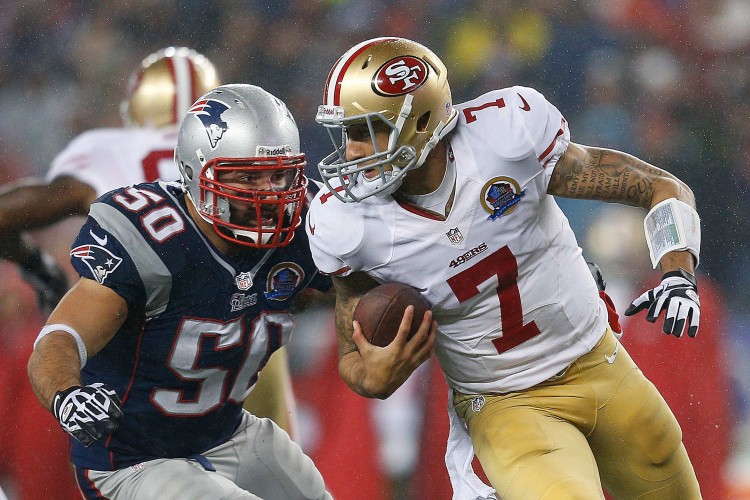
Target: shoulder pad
[(124, 225), (339, 224), (358, 236), (516, 122)]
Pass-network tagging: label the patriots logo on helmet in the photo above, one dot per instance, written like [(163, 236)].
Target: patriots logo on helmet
[(99, 260), (500, 195), (209, 111)]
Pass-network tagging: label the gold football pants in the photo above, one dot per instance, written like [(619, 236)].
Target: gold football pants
[(600, 419)]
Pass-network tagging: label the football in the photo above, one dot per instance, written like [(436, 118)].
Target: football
[(380, 311)]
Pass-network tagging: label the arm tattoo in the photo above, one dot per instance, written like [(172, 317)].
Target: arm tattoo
[(607, 175), (344, 314), (349, 289)]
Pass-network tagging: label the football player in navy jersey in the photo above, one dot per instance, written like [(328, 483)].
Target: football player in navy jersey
[(184, 294), (160, 91)]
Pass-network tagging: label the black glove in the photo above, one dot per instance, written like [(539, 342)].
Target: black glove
[(612, 317), (598, 277), (87, 413), (47, 278), (678, 294)]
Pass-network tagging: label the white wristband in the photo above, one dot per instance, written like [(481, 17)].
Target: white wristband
[(672, 225), (59, 327)]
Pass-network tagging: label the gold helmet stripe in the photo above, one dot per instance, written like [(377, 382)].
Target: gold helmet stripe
[(332, 95)]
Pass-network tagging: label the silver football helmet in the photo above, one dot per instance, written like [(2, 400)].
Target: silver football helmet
[(162, 89), (240, 163), (395, 84)]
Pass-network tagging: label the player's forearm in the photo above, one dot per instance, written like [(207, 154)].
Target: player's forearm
[(22, 207), (351, 366), (592, 173), (32, 204), (354, 373), (54, 366), (673, 261), (603, 174), (25, 205)]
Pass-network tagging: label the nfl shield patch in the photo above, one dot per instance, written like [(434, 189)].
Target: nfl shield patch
[(477, 404), (455, 236), (244, 281)]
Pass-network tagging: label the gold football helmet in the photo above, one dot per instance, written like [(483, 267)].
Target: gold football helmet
[(167, 83), (392, 81)]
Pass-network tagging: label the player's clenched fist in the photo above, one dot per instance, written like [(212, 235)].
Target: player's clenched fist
[(87, 413), (678, 294)]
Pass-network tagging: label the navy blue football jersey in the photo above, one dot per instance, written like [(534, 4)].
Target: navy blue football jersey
[(200, 324)]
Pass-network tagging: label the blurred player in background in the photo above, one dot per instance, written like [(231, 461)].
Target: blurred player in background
[(184, 295), (458, 202), (160, 92), (100, 160)]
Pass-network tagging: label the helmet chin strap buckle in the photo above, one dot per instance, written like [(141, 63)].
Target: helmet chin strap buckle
[(399, 125), (250, 236), (406, 155), (441, 131)]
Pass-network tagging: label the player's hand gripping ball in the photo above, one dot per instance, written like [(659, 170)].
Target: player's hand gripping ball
[(380, 311)]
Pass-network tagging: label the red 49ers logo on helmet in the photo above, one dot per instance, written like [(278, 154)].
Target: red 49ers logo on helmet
[(399, 76)]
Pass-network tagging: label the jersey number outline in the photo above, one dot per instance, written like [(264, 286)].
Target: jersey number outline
[(502, 264), (160, 222), (267, 333)]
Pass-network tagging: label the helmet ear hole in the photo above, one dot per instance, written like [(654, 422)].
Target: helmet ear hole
[(188, 171), (423, 122)]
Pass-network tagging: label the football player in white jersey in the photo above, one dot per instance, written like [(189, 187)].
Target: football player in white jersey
[(160, 92), (459, 202)]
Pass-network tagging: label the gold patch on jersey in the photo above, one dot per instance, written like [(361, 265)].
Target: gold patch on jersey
[(500, 195), (283, 280)]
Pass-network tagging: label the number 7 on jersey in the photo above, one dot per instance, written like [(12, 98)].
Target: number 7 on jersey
[(502, 263)]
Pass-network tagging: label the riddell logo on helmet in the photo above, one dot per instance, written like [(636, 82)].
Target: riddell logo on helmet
[(399, 76), (273, 150)]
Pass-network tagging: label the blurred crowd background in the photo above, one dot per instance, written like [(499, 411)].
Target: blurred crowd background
[(665, 80)]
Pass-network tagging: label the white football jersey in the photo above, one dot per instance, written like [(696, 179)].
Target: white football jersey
[(510, 290), (108, 158)]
